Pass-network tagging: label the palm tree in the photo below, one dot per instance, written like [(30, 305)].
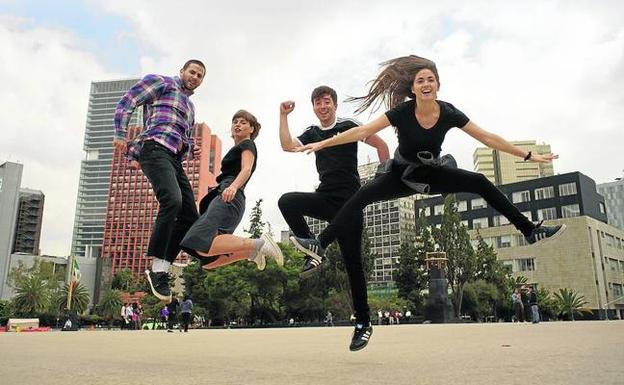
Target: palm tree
[(570, 302), (110, 304), (32, 296), (79, 300)]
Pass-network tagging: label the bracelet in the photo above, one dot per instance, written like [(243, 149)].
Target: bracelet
[(528, 156)]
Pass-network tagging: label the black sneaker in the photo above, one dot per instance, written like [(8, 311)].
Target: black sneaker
[(310, 267), (159, 283), (361, 336), (309, 246), (541, 232)]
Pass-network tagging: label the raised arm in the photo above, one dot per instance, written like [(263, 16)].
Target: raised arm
[(498, 143), (288, 143), (247, 160), (352, 135), (380, 145)]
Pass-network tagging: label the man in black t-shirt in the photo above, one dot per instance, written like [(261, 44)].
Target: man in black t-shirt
[(337, 169)]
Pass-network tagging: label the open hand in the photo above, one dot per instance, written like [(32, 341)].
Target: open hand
[(309, 148), (543, 158)]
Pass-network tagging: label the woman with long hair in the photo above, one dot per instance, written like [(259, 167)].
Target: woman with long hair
[(421, 124)]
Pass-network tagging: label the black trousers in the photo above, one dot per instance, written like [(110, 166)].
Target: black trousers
[(389, 186), (186, 321), (295, 205), (173, 191)]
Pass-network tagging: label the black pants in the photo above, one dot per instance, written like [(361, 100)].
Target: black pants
[(389, 186), (324, 206), (186, 321), (173, 191), (171, 320)]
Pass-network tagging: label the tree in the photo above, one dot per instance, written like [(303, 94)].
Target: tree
[(110, 305), (481, 299), (79, 299), (487, 267), (570, 302), (452, 238), (32, 296), (256, 226), (412, 277)]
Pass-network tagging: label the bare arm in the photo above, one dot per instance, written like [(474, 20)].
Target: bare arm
[(498, 143), (352, 135), (382, 148), (288, 143), (247, 160)]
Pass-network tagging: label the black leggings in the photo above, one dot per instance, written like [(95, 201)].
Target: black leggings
[(295, 205), (389, 186)]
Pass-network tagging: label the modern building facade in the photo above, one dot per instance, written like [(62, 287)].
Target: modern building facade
[(502, 168), (388, 224), (10, 180), (132, 206), (29, 220), (613, 192), (95, 169), (588, 257)]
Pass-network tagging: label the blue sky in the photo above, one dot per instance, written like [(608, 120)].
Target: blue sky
[(106, 35)]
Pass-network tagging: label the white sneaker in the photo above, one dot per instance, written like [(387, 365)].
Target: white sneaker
[(271, 249), (259, 260)]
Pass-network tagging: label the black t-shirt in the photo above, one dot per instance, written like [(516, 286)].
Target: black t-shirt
[(414, 138), (336, 166), (231, 163)]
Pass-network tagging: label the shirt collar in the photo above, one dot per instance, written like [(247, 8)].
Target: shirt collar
[(184, 90)]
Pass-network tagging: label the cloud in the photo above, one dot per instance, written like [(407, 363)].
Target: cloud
[(546, 70), (46, 77)]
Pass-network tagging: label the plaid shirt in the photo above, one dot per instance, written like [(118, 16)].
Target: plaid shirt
[(168, 114)]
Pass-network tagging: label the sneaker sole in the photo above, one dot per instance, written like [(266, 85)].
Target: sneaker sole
[(166, 299), (280, 257), (307, 252), (310, 272), (555, 235), (363, 346)]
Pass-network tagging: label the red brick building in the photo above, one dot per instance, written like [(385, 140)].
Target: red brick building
[(132, 206)]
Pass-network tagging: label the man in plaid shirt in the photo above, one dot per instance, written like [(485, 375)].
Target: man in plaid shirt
[(167, 137)]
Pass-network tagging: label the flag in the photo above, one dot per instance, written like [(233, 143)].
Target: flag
[(75, 271)]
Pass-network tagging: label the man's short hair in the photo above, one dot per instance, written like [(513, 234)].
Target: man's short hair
[(322, 91), (194, 61)]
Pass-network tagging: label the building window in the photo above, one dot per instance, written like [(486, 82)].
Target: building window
[(478, 203), (438, 209), (544, 193), (546, 214), (617, 290), (520, 240), (521, 196), (427, 211), (602, 208), (503, 241), (480, 223), (570, 211), (528, 214), (464, 223), (567, 189), (462, 206), (500, 220), (526, 264)]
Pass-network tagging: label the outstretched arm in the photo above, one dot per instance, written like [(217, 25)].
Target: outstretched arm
[(498, 143), (352, 135), (382, 148), (288, 143)]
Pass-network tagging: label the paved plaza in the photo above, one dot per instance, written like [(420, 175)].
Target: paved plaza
[(548, 353)]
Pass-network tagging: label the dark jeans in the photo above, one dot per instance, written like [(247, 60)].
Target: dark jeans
[(173, 191), (324, 206), (186, 321), (171, 320), (389, 186)]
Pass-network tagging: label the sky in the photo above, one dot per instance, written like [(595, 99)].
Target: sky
[(551, 71)]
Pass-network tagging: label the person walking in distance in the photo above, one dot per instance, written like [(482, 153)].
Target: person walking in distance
[(186, 309), (535, 317), (160, 148)]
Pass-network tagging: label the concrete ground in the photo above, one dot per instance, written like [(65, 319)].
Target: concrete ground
[(548, 353)]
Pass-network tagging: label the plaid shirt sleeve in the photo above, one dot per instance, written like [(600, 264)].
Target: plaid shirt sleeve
[(143, 92)]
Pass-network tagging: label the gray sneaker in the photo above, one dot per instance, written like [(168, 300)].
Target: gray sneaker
[(271, 249)]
